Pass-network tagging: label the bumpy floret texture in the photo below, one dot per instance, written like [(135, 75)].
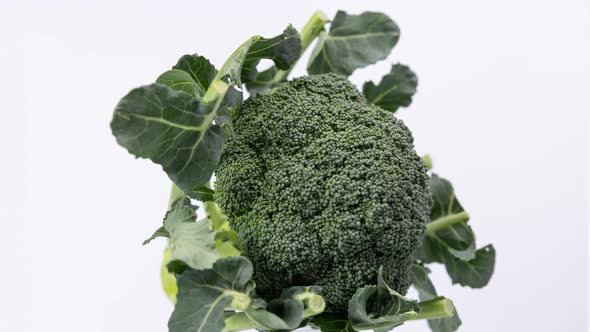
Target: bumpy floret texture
[(323, 189)]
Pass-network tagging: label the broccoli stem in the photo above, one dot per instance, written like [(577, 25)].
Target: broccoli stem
[(217, 219), (240, 301), (313, 303), (310, 31), (446, 221), (175, 193), (436, 308)]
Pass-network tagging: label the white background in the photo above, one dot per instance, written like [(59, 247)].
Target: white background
[(504, 88)]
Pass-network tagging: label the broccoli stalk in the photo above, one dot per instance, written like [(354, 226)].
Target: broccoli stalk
[(439, 307), (240, 301), (446, 221), (313, 303)]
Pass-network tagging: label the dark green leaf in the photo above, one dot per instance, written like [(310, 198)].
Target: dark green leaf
[(422, 283), (448, 229), (475, 273), (465, 255), (377, 307), (354, 41), (449, 240), (199, 69), (331, 322), (203, 295), (450, 324), (395, 89), (263, 81), (233, 99), (192, 243), (180, 81), (426, 291), (283, 50), (203, 194), (172, 129), (443, 194), (160, 232), (280, 314)]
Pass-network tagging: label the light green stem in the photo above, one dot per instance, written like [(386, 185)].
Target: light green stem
[(310, 31), (436, 308), (446, 221), (313, 304), (175, 193), (216, 217)]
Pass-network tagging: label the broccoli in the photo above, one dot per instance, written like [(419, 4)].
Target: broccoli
[(322, 189), (321, 213)]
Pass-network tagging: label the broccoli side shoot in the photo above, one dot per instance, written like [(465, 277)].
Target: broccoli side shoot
[(323, 189)]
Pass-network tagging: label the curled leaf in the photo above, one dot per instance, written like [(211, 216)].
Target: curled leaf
[(395, 89)]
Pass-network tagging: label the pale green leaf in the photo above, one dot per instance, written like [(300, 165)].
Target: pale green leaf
[(192, 243), (204, 294)]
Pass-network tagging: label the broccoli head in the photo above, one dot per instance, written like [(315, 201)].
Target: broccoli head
[(322, 189)]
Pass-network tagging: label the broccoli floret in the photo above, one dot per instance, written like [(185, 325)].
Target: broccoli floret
[(323, 189)]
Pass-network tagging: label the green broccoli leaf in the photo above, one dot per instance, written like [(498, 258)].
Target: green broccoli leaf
[(332, 322), (233, 99), (160, 232), (283, 50), (272, 76), (422, 283), (192, 243), (448, 230), (448, 219), (475, 273), (426, 291), (180, 81), (200, 70), (203, 295), (377, 307), (263, 81), (449, 240), (280, 314), (173, 129), (395, 89), (354, 41)]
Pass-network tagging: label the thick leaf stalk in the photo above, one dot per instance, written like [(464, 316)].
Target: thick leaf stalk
[(439, 307)]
